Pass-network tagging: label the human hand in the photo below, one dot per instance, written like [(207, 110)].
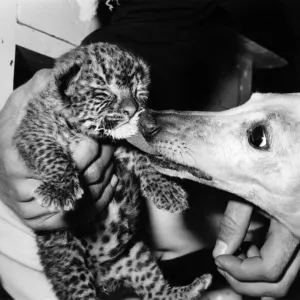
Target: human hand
[(16, 182), (269, 271)]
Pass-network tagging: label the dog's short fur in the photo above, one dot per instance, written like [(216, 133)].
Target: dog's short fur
[(252, 150)]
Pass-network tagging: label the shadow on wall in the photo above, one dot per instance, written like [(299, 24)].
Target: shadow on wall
[(27, 63)]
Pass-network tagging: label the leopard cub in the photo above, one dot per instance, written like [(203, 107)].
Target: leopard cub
[(97, 91)]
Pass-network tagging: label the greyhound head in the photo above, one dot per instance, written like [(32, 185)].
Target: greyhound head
[(252, 151)]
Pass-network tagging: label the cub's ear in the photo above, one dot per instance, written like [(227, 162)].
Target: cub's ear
[(66, 81), (67, 71)]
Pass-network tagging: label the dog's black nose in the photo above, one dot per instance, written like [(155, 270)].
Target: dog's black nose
[(148, 125)]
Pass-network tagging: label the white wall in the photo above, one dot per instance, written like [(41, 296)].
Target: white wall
[(49, 27), (7, 47)]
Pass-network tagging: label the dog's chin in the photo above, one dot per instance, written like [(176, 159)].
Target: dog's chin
[(178, 170)]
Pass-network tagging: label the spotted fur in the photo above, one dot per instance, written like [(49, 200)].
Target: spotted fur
[(98, 91)]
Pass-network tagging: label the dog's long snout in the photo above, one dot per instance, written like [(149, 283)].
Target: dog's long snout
[(148, 124)]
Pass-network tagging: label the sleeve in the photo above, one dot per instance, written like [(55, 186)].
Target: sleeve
[(21, 273)]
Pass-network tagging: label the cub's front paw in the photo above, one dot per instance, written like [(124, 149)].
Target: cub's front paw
[(59, 196), (165, 194)]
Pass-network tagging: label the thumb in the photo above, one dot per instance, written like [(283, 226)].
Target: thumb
[(233, 227), (85, 153)]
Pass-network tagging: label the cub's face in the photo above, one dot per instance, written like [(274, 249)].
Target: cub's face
[(108, 91)]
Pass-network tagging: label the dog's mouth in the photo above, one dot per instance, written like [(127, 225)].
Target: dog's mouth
[(164, 163), (167, 166)]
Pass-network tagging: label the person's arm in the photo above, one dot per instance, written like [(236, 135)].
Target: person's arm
[(269, 271), (17, 183)]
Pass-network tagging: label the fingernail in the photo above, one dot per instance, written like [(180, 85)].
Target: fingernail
[(114, 180), (220, 248), (219, 266)]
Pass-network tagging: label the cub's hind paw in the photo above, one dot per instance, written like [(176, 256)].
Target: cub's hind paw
[(165, 194), (199, 286), (59, 196), (193, 291)]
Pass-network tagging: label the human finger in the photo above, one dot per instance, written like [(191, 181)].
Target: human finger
[(275, 256), (85, 152), (107, 194), (97, 170), (22, 192), (253, 251), (48, 221), (24, 188), (233, 227), (27, 206), (19, 97), (92, 160), (96, 189), (31, 210), (89, 210), (39, 80), (41, 218), (14, 108), (275, 289)]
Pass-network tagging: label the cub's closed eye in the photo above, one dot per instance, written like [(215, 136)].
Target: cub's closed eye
[(103, 93), (142, 93), (258, 137)]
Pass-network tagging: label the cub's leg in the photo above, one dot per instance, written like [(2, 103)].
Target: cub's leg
[(140, 271), (52, 164), (63, 258), (165, 193)]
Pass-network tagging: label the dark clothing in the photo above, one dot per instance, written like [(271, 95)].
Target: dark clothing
[(184, 269), (186, 55), (161, 21)]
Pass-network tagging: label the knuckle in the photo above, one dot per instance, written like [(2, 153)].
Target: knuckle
[(41, 77), (84, 153), (93, 173), (91, 146), (107, 193), (41, 74), (281, 293), (88, 146), (96, 191), (272, 274), (24, 214), (278, 292), (33, 224)]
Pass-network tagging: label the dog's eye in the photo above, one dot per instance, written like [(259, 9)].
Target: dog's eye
[(258, 138)]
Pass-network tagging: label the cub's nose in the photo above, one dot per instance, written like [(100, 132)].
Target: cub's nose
[(128, 107), (148, 125)]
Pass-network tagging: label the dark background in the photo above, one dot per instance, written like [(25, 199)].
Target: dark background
[(274, 24)]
